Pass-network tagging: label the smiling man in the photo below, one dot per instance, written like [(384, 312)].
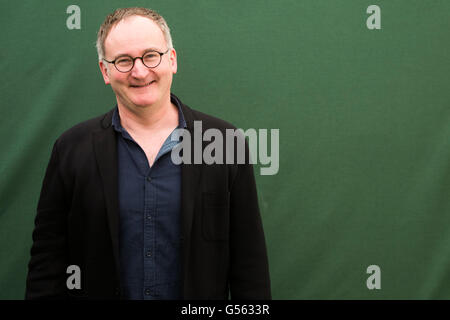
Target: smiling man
[(113, 203)]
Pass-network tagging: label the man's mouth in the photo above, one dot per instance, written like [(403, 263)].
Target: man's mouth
[(142, 85)]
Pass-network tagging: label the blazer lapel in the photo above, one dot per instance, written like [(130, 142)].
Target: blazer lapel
[(190, 179), (105, 149)]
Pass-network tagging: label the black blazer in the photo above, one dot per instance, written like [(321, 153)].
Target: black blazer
[(223, 247)]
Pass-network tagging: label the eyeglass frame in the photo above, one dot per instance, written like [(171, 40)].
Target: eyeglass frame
[(141, 57)]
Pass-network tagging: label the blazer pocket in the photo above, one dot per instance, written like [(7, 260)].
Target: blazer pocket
[(215, 216)]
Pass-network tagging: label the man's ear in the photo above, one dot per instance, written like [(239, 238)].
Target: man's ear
[(104, 70), (173, 60)]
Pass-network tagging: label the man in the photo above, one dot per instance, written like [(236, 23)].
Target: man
[(116, 208)]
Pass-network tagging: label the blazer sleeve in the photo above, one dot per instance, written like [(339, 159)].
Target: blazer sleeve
[(249, 269), (46, 277)]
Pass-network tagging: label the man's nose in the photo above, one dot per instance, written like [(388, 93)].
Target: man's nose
[(139, 69)]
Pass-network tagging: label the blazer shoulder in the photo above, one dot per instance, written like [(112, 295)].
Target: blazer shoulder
[(84, 129)]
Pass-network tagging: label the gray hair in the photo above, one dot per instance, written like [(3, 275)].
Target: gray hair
[(122, 13)]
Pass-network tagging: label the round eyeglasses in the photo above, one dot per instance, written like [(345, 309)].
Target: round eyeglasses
[(150, 59)]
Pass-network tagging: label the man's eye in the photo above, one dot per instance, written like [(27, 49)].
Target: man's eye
[(124, 61), (151, 56)]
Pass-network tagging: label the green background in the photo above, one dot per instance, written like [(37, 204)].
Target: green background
[(364, 123)]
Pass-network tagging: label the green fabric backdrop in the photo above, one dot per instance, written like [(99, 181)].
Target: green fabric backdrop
[(364, 119)]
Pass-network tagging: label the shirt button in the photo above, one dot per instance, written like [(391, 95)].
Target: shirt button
[(149, 217), (149, 253), (149, 178), (147, 292)]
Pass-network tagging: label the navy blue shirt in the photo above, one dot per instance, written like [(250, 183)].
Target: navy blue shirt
[(149, 213)]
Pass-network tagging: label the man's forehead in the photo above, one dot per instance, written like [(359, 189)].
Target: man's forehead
[(134, 33)]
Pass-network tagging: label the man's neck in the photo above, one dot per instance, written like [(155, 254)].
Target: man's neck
[(148, 119)]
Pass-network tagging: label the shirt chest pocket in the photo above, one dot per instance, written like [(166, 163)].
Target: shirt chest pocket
[(215, 216)]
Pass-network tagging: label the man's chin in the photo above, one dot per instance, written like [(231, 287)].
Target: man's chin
[(143, 103)]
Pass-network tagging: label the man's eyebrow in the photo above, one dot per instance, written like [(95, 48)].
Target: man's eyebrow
[(143, 52)]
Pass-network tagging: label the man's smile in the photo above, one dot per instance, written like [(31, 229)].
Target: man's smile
[(141, 85)]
